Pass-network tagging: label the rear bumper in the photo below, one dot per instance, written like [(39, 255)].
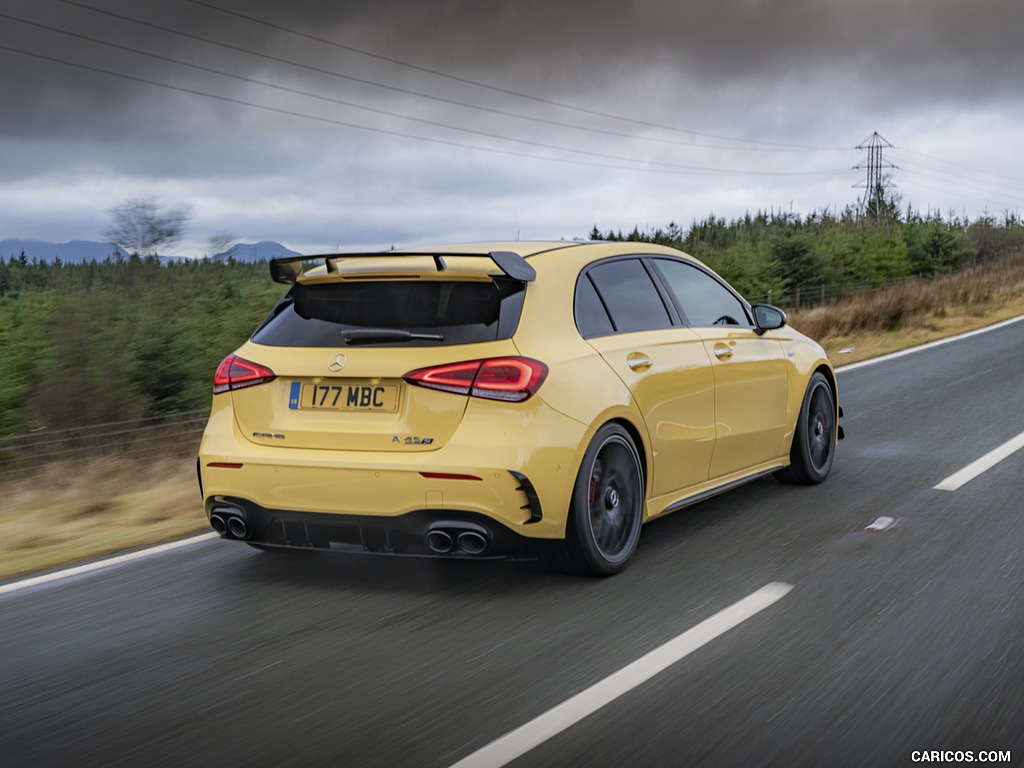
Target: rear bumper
[(510, 469), (420, 533)]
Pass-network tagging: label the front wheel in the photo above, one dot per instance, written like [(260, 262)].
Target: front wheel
[(607, 505), (814, 441)]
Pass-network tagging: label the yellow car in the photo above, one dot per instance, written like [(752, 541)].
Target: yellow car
[(502, 399)]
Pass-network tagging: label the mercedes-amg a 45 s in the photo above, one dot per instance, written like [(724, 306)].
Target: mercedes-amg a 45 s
[(497, 399)]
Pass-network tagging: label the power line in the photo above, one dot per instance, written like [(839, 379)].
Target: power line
[(384, 131), (960, 165), (346, 103), (490, 87), (875, 165), (435, 97), (960, 187), (958, 178)]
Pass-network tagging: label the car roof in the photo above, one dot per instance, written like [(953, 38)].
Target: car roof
[(524, 248), (533, 248)]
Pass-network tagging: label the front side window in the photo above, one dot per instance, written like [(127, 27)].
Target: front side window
[(702, 298)]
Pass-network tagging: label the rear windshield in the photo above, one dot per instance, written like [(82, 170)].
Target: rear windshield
[(394, 313)]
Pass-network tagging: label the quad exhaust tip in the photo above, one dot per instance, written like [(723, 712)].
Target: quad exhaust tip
[(229, 523), (440, 541), (472, 543), (455, 538), (237, 527)]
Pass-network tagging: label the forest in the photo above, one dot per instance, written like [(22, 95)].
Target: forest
[(130, 338), (793, 260)]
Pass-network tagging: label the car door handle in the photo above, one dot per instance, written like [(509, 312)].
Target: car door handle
[(638, 361), (723, 351)]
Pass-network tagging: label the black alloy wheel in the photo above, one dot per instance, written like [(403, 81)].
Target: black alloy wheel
[(607, 506), (814, 442)]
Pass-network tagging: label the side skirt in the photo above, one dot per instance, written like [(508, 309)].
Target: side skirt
[(703, 495)]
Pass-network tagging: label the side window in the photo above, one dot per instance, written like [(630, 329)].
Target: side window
[(704, 300), (630, 295), (591, 318)]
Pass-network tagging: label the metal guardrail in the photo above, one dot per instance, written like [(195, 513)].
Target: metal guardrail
[(808, 295), (152, 438)]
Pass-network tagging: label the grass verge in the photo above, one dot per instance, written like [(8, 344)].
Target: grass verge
[(78, 510), (873, 323)]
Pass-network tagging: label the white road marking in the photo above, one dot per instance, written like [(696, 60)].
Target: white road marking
[(985, 463), (929, 345), (520, 741), (881, 524), (67, 573)]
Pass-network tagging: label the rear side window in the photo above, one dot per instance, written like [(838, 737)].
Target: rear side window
[(438, 312), (629, 294), (591, 318)]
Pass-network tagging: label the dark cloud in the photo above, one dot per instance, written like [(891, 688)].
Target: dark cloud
[(589, 50), (815, 73)]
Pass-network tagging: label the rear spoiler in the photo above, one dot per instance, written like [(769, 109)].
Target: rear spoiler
[(288, 269)]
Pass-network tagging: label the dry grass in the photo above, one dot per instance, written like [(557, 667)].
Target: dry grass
[(74, 510), (916, 312), (974, 293), (79, 510)]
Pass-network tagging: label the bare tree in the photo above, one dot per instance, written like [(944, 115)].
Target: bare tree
[(142, 226), (219, 242)]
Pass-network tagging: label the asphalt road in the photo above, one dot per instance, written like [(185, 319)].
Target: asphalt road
[(888, 642)]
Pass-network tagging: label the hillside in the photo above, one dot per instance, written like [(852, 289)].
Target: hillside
[(145, 336), (82, 251), (73, 252)]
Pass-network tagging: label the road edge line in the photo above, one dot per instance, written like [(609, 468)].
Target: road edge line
[(928, 345), (99, 565)]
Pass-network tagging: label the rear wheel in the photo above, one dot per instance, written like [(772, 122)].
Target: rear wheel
[(814, 441), (607, 505)]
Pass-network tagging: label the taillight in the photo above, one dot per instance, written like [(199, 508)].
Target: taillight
[(236, 373), (498, 378)]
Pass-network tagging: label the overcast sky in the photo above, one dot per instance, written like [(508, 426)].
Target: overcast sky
[(368, 124)]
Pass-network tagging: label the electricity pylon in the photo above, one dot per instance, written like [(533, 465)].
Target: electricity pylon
[(877, 179)]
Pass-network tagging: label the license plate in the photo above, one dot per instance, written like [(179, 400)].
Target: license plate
[(356, 396)]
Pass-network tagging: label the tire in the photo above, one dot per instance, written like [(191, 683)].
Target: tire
[(607, 506), (814, 441)]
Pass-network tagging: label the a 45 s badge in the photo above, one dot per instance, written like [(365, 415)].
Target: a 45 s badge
[(412, 440)]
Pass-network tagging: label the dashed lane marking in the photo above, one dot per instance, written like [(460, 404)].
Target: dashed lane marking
[(982, 465), (543, 727)]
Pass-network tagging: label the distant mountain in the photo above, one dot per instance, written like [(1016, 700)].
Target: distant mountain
[(86, 250), (74, 251), (262, 251)]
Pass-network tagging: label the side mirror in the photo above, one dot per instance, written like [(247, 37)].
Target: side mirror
[(767, 318)]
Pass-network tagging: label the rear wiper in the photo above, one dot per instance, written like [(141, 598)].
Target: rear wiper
[(368, 335)]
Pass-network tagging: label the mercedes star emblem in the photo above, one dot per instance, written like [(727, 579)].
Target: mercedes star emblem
[(336, 363)]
